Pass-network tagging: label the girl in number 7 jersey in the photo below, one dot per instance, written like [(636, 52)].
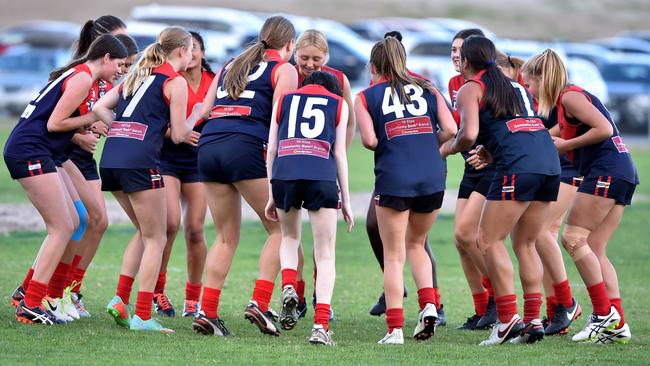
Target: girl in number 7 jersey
[(43, 131), (152, 96), (231, 163), (398, 116), (306, 156)]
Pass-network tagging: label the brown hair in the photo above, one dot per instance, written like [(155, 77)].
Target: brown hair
[(94, 28), (276, 32), (510, 62), (389, 59), (155, 55), (552, 75), (102, 45)]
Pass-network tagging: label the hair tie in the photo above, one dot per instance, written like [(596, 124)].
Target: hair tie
[(266, 45), (489, 63)]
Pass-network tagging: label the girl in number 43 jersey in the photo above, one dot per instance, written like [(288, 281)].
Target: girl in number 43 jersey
[(152, 96), (232, 148), (499, 112), (594, 146), (44, 130), (306, 157), (398, 116)]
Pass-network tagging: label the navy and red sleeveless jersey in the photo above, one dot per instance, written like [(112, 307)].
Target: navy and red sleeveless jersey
[(135, 138), (183, 156), (73, 151), (609, 157), (307, 120), (251, 112), (30, 138), (518, 143), (340, 76), (407, 159), (549, 123)]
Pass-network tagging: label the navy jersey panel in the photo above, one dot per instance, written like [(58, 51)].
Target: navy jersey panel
[(135, 138), (251, 112), (568, 169), (609, 157), (30, 138), (307, 121), (518, 144), (407, 159), (179, 156)]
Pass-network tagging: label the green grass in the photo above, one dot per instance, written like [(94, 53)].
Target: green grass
[(98, 340)]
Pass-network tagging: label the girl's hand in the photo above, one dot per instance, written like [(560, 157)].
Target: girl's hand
[(193, 138), (270, 211), (480, 158), (86, 141), (347, 215), (99, 128), (561, 145)]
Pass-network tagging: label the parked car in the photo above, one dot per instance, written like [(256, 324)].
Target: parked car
[(643, 35), (628, 83), (454, 25), (24, 70), (42, 33), (624, 44), (586, 74), (587, 51), (374, 29)]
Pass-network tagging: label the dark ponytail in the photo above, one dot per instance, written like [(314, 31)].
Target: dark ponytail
[(129, 43), (324, 79), (204, 63), (480, 54), (105, 44), (93, 29)]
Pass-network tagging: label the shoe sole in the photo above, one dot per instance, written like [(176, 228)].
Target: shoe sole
[(197, 327), (261, 326), (429, 329), (118, 319), (317, 342), (15, 302), (287, 318), (20, 319)]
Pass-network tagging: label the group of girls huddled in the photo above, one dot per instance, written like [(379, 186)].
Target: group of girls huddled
[(180, 139)]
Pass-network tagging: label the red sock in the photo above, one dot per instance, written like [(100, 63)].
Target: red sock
[(35, 294), (210, 302), (289, 278), (506, 307), (481, 302), (124, 286), (532, 304), (78, 278), (563, 294), (551, 303), (438, 305), (300, 289), (488, 286), (57, 282), (599, 299), (192, 291), (322, 315), (262, 294), (143, 305), (619, 307), (160, 283), (426, 295), (73, 268), (28, 278), (394, 318)]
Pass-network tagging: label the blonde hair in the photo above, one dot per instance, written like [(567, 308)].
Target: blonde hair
[(276, 32), (510, 62), (155, 55), (313, 37), (389, 59), (552, 75)]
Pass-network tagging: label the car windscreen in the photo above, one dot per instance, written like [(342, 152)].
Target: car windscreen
[(29, 61), (621, 72)]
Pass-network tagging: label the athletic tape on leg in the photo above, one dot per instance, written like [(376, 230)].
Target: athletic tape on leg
[(574, 239), (83, 220)]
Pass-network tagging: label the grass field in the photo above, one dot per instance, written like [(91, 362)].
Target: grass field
[(99, 341)]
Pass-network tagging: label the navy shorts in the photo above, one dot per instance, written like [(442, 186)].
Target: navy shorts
[(183, 175), (130, 180), (524, 187), (420, 204), (19, 169), (232, 157), (570, 175), (617, 189), (87, 167), (474, 183), (310, 194), (60, 159)]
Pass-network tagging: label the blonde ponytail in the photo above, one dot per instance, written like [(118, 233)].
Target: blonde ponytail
[(389, 59), (155, 55), (276, 32), (549, 69)]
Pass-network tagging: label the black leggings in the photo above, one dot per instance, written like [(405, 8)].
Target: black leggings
[(378, 247)]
